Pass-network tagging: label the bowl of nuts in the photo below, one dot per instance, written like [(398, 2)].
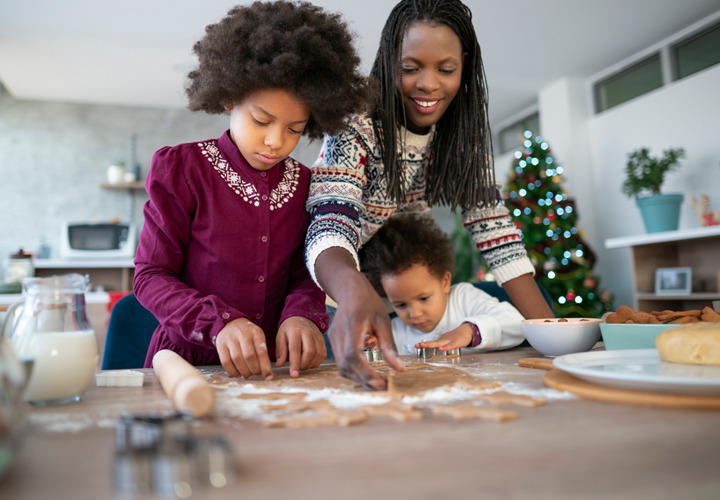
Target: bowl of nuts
[(555, 337), (630, 329)]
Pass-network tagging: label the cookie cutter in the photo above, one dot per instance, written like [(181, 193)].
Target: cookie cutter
[(373, 355), (158, 455), (431, 352)]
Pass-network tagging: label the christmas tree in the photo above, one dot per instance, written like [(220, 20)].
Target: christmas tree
[(547, 219)]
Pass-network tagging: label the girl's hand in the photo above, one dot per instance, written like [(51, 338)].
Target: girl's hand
[(454, 339), (242, 350), (301, 340)]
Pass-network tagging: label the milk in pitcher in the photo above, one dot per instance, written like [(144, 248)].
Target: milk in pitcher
[(64, 364)]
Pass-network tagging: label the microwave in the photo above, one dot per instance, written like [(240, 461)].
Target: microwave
[(97, 241)]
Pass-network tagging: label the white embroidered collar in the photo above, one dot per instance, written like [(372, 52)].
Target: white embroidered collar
[(282, 193)]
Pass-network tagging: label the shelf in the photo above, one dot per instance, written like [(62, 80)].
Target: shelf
[(696, 248), (691, 296), (664, 237), (84, 263), (137, 185)]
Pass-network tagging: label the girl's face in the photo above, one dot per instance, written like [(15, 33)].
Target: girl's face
[(418, 297), (267, 125), (430, 73)]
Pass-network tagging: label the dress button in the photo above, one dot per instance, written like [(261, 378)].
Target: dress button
[(261, 279), (264, 197), (258, 316), (263, 239), (225, 315), (263, 174)]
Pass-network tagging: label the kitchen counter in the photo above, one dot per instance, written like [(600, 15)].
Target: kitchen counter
[(568, 448)]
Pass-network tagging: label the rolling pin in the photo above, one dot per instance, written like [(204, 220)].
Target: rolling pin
[(184, 385)]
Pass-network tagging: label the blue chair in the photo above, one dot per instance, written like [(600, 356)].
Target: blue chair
[(129, 331)]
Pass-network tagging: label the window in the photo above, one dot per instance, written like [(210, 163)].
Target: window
[(511, 137), (697, 52), (629, 83)]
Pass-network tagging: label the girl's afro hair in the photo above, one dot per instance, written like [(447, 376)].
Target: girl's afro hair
[(295, 46)]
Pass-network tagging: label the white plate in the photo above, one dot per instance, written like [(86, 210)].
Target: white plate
[(641, 370)]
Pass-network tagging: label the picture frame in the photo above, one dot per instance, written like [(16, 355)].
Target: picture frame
[(673, 281)]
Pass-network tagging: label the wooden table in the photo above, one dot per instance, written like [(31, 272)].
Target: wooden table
[(569, 448)]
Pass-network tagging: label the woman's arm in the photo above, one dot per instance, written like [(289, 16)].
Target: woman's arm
[(527, 297), (360, 313)]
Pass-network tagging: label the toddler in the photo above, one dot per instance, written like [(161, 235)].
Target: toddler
[(410, 261), (220, 260)]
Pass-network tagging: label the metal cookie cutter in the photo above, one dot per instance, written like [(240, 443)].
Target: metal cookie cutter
[(158, 455), (431, 352), (425, 352), (373, 355)]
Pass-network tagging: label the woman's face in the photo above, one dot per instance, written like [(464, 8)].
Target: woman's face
[(430, 73)]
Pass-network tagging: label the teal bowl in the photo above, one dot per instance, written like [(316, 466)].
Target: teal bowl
[(630, 336)]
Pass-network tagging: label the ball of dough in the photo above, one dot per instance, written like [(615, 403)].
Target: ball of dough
[(697, 344)]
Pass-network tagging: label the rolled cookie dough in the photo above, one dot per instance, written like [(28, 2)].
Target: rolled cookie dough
[(697, 344)]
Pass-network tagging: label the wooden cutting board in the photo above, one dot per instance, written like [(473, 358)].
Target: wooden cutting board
[(563, 381), (558, 379)]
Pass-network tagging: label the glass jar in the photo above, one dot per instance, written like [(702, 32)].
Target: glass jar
[(19, 266), (51, 330)]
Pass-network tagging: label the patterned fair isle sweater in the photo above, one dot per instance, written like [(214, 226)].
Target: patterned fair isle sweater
[(348, 201)]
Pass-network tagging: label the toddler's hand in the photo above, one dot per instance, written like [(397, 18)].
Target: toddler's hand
[(454, 339), (301, 340), (242, 349)]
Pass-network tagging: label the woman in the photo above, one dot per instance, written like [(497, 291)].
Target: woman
[(425, 141)]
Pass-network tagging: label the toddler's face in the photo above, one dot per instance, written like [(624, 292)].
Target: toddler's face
[(418, 297), (430, 73), (267, 125)]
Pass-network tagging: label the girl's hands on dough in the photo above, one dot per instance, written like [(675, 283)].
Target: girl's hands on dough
[(242, 350), (454, 339), (300, 340)]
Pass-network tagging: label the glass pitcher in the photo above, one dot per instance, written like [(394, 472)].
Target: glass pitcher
[(12, 411), (51, 330)]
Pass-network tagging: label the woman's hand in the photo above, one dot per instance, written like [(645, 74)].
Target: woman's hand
[(454, 339), (300, 340), (360, 318), (242, 350)]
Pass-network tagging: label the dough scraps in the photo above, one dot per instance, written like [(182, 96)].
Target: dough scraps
[(503, 397), (467, 410), (399, 411), (344, 418), (419, 377), (271, 396)]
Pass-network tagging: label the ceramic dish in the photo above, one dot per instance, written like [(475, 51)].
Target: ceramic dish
[(642, 370), (555, 337), (624, 336)]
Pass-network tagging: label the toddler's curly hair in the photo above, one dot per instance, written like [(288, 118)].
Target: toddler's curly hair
[(294, 46), (402, 242)]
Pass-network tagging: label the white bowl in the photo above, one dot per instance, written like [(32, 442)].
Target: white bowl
[(555, 337)]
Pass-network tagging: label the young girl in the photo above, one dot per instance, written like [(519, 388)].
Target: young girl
[(220, 261), (410, 261), (425, 141)]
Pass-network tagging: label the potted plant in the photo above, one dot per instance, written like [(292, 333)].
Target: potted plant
[(644, 176)]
